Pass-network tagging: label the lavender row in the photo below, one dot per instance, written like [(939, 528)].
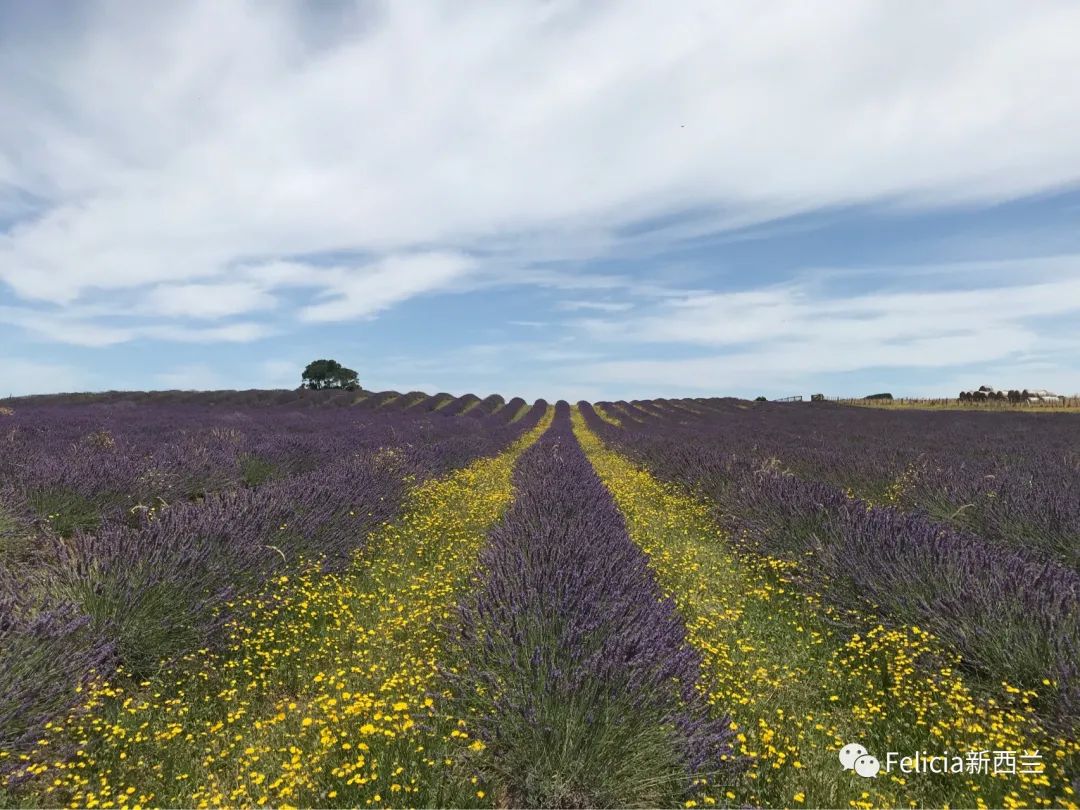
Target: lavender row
[(75, 466), (460, 405), (1012, 614), (295, 398), (1013, 478), (487, 406), (78, 465), (134, 596), (577, 676)]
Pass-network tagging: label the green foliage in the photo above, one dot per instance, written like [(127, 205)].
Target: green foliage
[(256, 471), (589, 748), (760, 399), (147, 629), (26, 657), (321, 374), (15, 539), (66, 511)]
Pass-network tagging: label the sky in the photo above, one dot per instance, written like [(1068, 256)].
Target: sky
[(582, 200)]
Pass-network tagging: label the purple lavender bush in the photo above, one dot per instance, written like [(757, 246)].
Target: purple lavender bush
[(136, 587), (1011, 612), (575, 670)]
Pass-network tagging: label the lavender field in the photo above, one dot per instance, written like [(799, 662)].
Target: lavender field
[(339, 598)]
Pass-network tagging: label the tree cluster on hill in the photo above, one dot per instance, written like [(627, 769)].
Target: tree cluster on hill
[(321, 374)]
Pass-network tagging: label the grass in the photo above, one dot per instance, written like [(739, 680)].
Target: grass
[(66, 511), (255, 471), (799, 687), (16, 540)]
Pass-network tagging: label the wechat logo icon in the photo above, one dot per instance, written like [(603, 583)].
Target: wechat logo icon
[(855, 757)]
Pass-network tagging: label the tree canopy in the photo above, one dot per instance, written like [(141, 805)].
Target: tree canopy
[(328, 374)]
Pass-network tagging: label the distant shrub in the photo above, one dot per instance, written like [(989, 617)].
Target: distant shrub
[(879, 396)]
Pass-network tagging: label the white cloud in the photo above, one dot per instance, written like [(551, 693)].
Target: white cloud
[(807, 358), (289, 274), (797, 312), (60, 327), (206, 300), (599, 306), (789, 335), (76, 328), (173, 142), (240, 332), (365, 291)]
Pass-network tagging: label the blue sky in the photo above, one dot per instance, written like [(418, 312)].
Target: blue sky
[(560, 199)]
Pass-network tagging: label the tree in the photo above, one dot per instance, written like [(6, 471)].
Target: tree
[(329, 374)]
